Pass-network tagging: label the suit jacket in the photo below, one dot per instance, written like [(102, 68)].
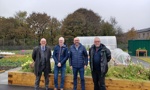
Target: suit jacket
[(36, 56)]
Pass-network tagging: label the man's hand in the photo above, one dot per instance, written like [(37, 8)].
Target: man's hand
[(85, 66), (59, 64), (70, 67)]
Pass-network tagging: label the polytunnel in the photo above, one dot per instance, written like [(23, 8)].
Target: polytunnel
[(109, 41), (120, 57)]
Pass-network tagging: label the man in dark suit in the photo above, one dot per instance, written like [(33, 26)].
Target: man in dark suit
[(41, 56)]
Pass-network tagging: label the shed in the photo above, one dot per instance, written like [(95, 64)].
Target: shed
[(133, 45)]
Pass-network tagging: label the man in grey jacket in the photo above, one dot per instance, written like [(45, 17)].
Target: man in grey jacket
[(41, 56), (100, 55)]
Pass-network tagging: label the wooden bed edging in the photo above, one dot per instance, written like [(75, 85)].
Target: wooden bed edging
[(27, 79)]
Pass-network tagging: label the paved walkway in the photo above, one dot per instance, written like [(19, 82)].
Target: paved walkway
[(4, 76), (13, 87), (136, 60)]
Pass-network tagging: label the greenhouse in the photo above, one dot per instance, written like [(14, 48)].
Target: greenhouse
[(109, 41), (120, 57)]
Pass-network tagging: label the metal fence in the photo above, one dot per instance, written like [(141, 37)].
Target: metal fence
[(18, 44)]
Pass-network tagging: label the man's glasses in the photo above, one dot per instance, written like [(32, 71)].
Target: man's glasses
[(96, 41)]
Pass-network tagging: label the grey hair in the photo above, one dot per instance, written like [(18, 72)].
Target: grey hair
[(62, 38)]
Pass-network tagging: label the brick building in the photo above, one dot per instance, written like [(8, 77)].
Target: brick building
[(143, 33)]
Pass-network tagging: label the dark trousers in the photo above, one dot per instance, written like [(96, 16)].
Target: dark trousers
[(38, 77), (99, 80), (75, 74), (56, 71)]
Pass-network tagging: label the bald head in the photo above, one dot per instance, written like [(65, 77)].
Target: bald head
[(43, 42), (97, 41), (76, 38)]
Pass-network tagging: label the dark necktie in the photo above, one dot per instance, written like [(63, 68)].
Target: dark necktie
[(43, 48)]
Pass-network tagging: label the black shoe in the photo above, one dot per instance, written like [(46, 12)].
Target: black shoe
[(46, 89), (36, 89)]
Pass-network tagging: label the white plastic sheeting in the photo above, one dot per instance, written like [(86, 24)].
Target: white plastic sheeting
[(109, 41), (120, 57), (6, 53)]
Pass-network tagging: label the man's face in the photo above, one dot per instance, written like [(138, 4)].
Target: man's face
[(97, 42), (76, 41), (61, 42), (43, 42)]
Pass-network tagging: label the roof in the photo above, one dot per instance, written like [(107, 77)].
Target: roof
[(143, 30)]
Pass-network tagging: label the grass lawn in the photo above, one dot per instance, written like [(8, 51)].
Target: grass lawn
[(147, 59)]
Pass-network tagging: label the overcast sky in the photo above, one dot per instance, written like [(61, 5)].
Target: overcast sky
[(128, 13)]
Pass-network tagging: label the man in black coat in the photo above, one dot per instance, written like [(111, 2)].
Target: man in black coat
[(100, 55), (41, 56)]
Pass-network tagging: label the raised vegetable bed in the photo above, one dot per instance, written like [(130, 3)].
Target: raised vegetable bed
[(27, 79)]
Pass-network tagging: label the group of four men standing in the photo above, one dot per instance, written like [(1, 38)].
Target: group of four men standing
[(99, 56)]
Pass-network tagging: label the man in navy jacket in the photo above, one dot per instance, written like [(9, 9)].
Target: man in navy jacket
[(60, 56), (78, 59)]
